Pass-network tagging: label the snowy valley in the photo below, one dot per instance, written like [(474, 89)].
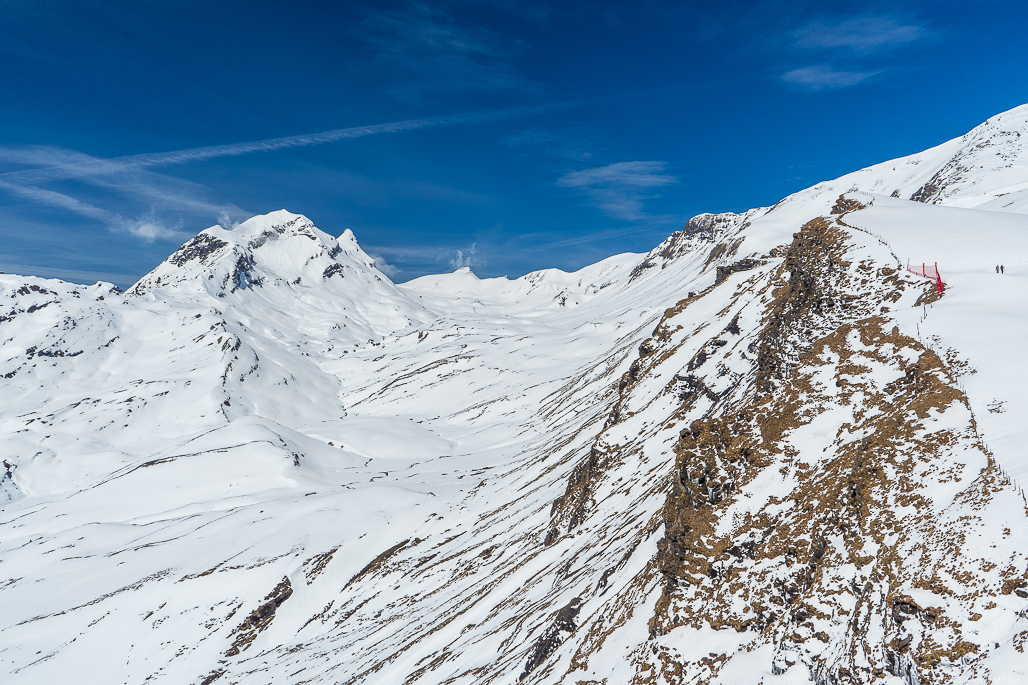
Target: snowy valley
[(764, 452)]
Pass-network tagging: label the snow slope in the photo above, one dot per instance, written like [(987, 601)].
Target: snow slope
[(982, 318), (762, 452)]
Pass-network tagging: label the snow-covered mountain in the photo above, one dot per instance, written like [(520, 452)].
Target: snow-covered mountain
[(762, 452)]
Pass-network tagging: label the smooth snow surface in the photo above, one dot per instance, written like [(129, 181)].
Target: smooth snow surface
[(267, 407)]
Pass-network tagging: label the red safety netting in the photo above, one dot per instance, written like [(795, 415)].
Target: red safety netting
[(927, 271)]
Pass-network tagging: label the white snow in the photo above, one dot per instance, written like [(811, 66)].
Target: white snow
[(267, 395)]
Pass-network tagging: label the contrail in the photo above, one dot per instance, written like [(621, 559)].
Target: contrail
[(55, 199), (149, 230), (118, 164)]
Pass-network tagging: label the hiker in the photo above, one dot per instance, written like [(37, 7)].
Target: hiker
[(1001, 269), (997, 268)]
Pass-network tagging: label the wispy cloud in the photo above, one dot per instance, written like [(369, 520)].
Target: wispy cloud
[(40, 155), (825, 77), (137, 184), (168, 193), (465, 258), (859, 43), (98, 167), (60, 200), (860, 34), (164, 190), (385, 267), (129, 174), (424, 258), (632, 174), (620, 189), (150, 228)]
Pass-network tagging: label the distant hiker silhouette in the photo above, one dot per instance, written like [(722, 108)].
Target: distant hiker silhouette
[(1001, 269), (997, 268)]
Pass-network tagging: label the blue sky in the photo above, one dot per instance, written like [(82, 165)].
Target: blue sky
[(505, 135)]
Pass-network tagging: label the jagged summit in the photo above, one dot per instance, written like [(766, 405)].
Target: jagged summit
[(280, 269), (275, 249), (986, 168)]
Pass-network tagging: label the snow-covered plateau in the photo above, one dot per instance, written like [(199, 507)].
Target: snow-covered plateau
[(764, 452)]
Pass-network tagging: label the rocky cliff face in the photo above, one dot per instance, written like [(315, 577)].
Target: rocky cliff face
[(819, 507), (818, 517)]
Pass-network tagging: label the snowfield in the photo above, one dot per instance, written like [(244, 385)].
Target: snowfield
[(763, 452)]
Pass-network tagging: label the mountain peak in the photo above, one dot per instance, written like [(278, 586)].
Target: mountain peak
[(988, 170), (280, 248)]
